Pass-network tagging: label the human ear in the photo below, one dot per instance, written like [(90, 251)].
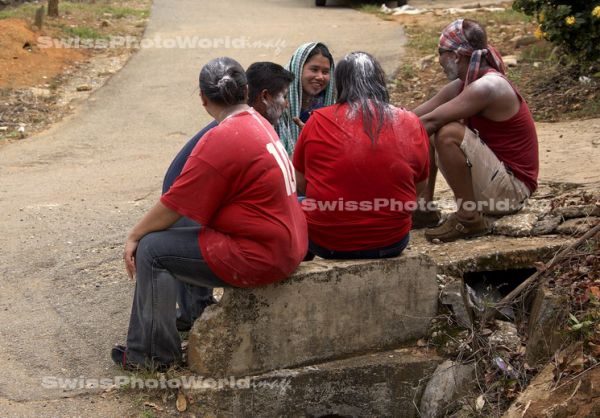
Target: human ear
[(264, 96), (203, 98)]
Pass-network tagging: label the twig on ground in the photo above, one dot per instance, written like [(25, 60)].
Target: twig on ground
[(534, 278), (576, 376)]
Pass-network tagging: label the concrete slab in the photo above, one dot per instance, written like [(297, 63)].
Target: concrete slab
[(326, 310), (387, 384), (492, 252)]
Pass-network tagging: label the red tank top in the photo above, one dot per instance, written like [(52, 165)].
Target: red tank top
[(514, 141)]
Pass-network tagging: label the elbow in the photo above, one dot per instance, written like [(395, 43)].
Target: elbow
[(430, 124)]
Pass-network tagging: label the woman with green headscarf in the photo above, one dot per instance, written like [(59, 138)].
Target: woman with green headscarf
[(312, 65)]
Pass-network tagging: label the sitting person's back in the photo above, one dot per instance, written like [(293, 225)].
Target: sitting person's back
[(361, 160)]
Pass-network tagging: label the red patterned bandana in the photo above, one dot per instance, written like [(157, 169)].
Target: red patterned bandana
[(453, 39)]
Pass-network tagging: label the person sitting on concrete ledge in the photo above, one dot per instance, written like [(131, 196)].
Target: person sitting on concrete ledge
[(360, 163), (268, 85), (239, 184), (484, 137), (312, 65)]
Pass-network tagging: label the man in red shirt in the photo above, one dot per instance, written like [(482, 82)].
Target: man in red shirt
[(239, 184), (484, 136)]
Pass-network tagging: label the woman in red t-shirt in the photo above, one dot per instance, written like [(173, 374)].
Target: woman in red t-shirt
[(360, 162), (239, 184)]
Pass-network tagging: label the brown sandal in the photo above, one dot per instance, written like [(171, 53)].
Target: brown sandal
[(453, 228)]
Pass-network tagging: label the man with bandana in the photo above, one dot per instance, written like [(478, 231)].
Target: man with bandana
[(482, 134)]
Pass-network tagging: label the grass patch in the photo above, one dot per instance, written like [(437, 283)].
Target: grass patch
[(506, 17), (407, 71), (92, 10), (590, 109), (424, 41), (541, 52), (25, 11), (83, 32), (122, 12), (367, 8)]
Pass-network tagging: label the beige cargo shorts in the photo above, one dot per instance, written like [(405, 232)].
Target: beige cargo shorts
[(497, 190)]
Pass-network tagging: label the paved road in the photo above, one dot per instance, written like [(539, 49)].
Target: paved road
[(68, 196)]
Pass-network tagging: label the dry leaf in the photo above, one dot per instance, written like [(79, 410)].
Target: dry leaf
[(153, 405), (576, 364), (181, 403), (595, 291), (594, 349), (421, 343), (480, 403)]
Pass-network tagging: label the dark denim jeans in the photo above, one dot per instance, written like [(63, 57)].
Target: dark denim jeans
[(393, 250), (164, 259)]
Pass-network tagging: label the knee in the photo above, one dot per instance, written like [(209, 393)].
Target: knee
[(145, 249), (451, 134)]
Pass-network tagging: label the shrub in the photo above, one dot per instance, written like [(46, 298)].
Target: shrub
[(572, 25)]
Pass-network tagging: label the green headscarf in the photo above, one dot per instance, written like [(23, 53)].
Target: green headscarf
[(286, 128)]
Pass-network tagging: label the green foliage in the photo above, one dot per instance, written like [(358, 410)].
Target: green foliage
[(83, 32), (122, 12), (25, 11), (572, 25)]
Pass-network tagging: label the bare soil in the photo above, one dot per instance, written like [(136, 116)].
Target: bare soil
[(38, 83), (23, 63)]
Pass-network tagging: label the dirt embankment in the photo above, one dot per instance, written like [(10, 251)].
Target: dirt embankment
[(23, 63)]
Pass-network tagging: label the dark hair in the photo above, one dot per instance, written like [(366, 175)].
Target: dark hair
[(223, 81), (266, 76), (475, 34), (320, 49), (360, 82)]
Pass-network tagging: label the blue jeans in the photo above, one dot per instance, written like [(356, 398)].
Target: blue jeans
[(163, 260), (393, 250)]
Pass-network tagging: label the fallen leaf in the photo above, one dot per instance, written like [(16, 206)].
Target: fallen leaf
[(576, 364), (480, 403), (594, 349), (181, 403), (153, 405), (421, 343), (595, 291)]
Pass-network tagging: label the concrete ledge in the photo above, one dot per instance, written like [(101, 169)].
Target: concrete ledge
[(385, 384), (326, 310)]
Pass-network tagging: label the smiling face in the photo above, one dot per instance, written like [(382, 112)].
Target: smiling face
[(315, 75)]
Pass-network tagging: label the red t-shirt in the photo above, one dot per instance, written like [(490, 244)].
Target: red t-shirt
[(513, 141), (240, 185), (349, 179)]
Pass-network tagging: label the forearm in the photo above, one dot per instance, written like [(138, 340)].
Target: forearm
[(158, 218), (447, 93), (426, 107)]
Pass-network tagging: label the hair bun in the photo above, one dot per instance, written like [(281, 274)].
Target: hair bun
[(224, 81)]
